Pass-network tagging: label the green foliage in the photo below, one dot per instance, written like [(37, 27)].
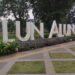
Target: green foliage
[(19, 8), (49, 10), (9, 48), (46, 35), (69, 38), (11, 26)]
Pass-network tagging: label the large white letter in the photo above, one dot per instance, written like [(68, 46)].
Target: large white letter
[(70, 29), (64, 30), (33, 28), (54, 29), (18, 35), (60, 31), (5, 32)]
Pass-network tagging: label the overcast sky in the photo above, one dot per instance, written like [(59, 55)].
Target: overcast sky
[(31, 14)]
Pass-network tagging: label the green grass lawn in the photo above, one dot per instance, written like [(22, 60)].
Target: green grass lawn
[(28, 67), (73, 49), (61, 55), (64, 66)]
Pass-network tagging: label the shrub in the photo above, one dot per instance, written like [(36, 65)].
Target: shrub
[(38, 43), (46, 34), (69, 38), (9, 48)]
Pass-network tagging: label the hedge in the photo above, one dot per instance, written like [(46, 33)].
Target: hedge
[(38, 43), (18, 46), (9, 48)]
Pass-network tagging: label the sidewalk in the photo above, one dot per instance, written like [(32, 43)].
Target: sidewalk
[(41, 54)]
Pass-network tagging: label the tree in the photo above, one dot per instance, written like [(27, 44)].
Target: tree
[(43, 10), (49, 10), (19, 8), (71, 15), (11, 26)]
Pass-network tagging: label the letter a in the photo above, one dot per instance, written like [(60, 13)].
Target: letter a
[(54, 29)]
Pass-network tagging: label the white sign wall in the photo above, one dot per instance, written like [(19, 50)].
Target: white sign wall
[(60, 30)]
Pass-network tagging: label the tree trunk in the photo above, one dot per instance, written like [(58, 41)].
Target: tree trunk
[(22, 27)]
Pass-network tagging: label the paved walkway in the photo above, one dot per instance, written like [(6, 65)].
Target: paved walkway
[(41, 54)]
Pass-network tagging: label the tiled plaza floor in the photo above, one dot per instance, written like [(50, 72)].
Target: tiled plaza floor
[(41, 54)]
